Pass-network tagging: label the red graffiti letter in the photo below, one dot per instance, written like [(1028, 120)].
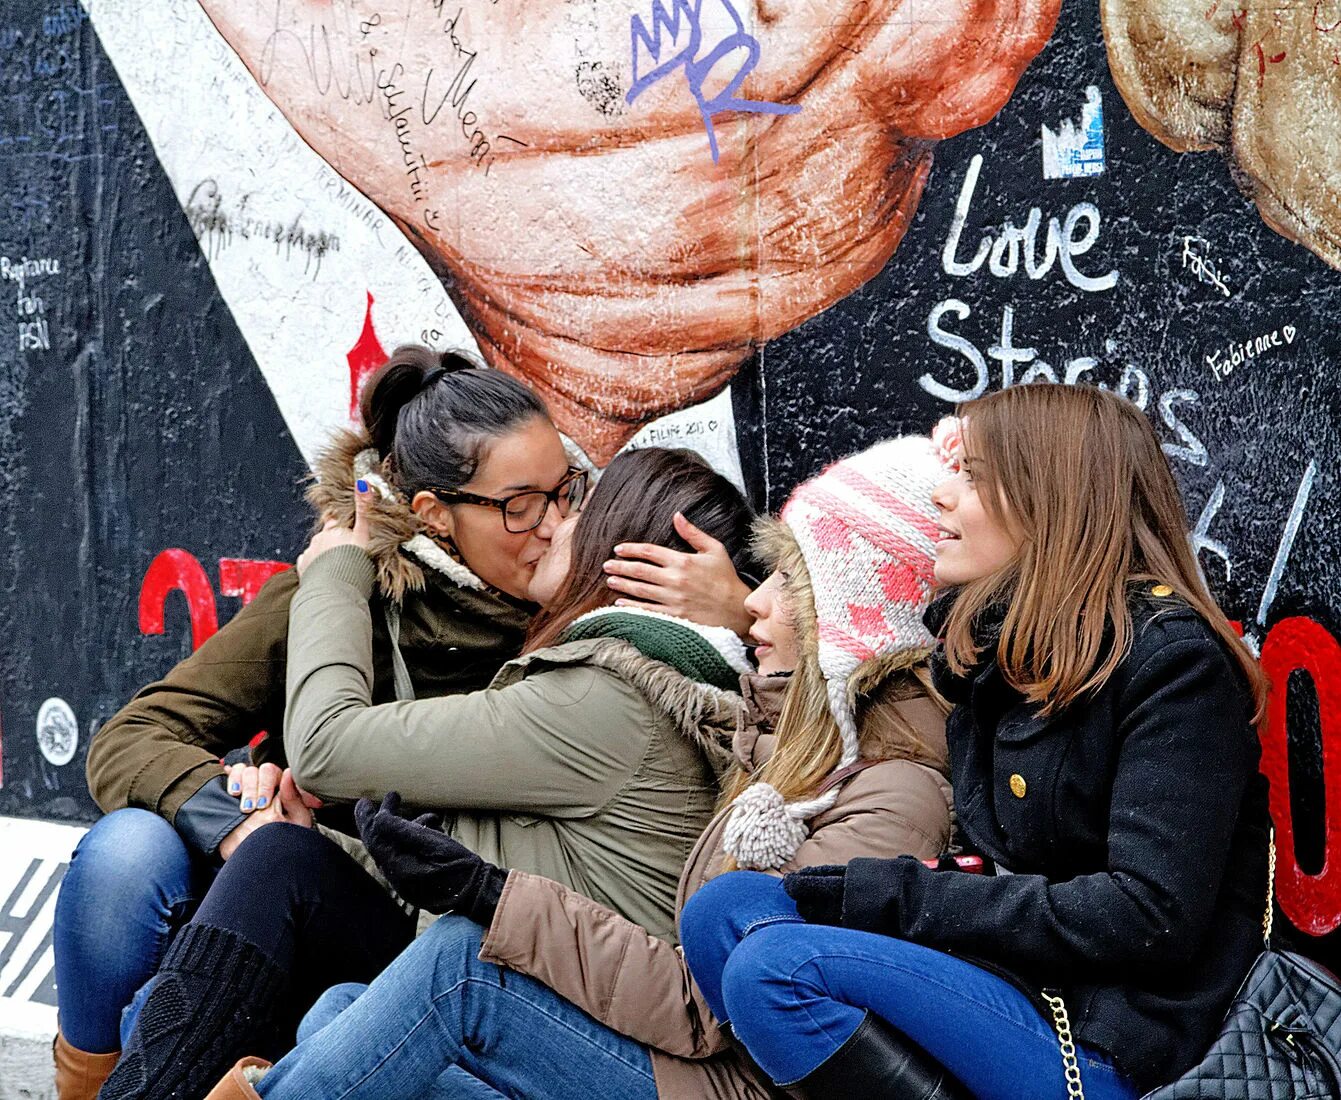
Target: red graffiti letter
[(1312, 902), (364, 357), (243, 577), (177, 570)]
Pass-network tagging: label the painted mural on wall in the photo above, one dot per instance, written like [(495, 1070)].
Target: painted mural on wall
[(775, 230)]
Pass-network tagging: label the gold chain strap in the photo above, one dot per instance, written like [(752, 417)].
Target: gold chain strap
[(1062, 1022), (1271, 891), (1070, 1066)]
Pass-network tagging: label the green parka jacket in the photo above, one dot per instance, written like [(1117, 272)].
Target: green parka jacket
[(594, 762), (161, 751)]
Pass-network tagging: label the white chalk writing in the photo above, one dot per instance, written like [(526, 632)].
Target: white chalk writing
[(1223, 361), (1003, 250), (1201, 265)]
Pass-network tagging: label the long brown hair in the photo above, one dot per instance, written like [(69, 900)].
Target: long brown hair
[(808, 740), (635, 501), (1078, 474)]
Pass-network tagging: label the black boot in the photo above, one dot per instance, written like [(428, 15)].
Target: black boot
[(216, 998), (878, 1062)]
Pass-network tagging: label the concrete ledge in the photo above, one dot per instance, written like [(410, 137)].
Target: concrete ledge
[(33, 858)]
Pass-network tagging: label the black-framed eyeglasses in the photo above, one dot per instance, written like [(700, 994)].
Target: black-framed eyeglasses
[(524, 512)]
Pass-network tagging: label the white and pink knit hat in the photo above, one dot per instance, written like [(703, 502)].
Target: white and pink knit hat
[(867, 530)]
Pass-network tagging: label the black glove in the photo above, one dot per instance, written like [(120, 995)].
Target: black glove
[(428, 868), (818, 893)]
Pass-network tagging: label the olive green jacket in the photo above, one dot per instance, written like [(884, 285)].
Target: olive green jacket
[(588, 762), (161, 751)]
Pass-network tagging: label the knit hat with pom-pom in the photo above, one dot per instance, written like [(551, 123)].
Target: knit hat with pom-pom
[(867, 531)]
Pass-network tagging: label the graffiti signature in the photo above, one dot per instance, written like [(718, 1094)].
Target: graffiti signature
[(696, 68)]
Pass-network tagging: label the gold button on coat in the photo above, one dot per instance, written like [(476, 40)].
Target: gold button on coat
[(1017, 785), (1162, 591)]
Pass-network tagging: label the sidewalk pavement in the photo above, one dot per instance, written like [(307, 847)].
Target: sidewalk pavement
[(33, 859)]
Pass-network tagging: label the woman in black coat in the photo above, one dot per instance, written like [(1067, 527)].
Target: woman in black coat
[(1104, 759)]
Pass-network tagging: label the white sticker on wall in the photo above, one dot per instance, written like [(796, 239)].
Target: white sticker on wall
[(57, 731), (1076, 150)]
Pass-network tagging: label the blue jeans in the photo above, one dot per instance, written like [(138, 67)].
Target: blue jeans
[(131, 884), (795, 992), (439, 1022)]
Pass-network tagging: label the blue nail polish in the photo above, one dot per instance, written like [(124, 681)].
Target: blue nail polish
[(361, 485), (235, 788), (260, 803), (246, 803)]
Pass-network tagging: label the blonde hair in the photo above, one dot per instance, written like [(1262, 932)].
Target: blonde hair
[(809, 744), (1078, 474)]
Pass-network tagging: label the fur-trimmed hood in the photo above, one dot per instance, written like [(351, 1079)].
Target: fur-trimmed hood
[(400, 547), (705, 715)]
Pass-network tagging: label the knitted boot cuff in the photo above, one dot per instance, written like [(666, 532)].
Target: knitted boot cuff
[(215, 1000)]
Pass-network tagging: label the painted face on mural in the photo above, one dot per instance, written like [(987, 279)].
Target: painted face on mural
[(1187, 69), (532, 457), (774, 628), (628, 205)]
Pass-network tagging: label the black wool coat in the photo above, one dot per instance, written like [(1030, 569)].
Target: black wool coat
[(1135, 827)]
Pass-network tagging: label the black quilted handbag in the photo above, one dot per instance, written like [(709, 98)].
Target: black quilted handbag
[(1281, 1039)]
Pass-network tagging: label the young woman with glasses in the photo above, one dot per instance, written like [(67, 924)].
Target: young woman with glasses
[(470, 479), (591, 759)]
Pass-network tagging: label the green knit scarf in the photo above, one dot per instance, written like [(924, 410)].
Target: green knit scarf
[(672, 641)]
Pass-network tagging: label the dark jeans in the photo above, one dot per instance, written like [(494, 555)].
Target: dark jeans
[(795, 992), (314, 913), (132, 882)]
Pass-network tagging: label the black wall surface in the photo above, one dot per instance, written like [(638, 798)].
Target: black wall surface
[(145, 425)]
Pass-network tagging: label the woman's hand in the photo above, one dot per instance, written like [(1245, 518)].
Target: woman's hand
[(332, 534), (702, 586), (258, 786), (818, 893), (427, 867)]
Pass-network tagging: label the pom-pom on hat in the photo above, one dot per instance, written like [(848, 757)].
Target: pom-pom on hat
[(867, 531)]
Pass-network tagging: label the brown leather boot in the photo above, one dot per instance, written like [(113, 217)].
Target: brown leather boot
[(235, 1085), (79, 1075)]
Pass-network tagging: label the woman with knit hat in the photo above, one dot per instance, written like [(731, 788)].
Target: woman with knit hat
[(531, 989), (1104, 764)]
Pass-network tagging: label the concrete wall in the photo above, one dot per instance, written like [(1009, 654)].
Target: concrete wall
[(772, 229)]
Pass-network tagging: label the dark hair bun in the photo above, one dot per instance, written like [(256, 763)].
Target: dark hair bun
[(397, 382), (435, 433)]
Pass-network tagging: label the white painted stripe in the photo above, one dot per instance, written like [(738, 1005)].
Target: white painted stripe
[(39, 974), (28, 946), (33, 889)]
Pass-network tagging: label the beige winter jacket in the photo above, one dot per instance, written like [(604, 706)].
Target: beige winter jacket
[(638, 984), (587, 762)]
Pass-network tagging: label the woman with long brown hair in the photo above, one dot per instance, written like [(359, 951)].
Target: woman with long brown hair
[(591, 759), (531, 989), (1104, 761)]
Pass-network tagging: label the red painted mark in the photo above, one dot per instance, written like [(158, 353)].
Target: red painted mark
[(243, 578), (1239, 18), (364, 357), (1312, 902), (1317, 12), (171, 571), (1263, 58)]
